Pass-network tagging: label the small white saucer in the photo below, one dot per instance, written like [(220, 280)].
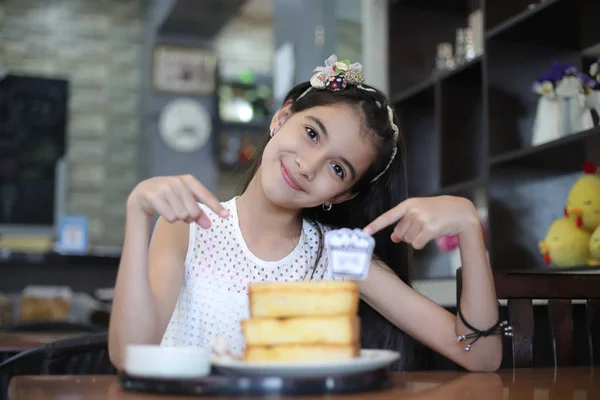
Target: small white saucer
[(166, 362)]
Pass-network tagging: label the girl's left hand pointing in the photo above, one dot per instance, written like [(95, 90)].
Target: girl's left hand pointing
[(423, 219)]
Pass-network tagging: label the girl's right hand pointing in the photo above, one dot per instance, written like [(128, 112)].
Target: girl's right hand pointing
[(175, 198)]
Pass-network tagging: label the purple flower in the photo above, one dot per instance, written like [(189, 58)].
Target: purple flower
[(587, 80), (571, 71), (557, 71)]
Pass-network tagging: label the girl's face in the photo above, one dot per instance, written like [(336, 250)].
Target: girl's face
[(315, 156)]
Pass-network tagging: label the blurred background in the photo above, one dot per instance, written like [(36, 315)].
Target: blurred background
[(97, 95)]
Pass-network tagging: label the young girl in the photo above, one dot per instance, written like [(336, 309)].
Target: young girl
[(334, 158)]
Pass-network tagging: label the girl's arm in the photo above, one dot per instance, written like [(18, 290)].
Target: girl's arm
[(148, 282), (431, 324)]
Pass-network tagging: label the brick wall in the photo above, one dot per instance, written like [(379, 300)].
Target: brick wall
[(96, 45)]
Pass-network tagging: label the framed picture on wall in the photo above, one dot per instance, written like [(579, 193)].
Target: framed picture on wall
[(184, 70)]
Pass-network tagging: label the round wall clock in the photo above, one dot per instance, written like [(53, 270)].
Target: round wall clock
[(184, 125)]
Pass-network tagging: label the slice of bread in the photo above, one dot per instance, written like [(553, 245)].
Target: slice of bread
[(334, 330), (304, 298), (301, 353)]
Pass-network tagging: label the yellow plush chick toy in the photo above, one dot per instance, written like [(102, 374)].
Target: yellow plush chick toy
[(565, 244), (595, 247), (583, 202)]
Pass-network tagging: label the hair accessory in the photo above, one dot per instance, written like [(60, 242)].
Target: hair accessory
[(327, 206), (395, 147), (271, 132), (337, 75), (499, 328)]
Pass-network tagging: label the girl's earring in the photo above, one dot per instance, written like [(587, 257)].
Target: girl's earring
[(271, 132), (327, 206)]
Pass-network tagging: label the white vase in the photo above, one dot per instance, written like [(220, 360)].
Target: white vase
[(592, 101), (579, 116), (548, 124), (559, 117)]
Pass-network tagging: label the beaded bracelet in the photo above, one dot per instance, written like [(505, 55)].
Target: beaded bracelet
[(499, 328)]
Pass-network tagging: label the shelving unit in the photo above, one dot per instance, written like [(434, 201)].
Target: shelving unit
[(233, 136), (468, 130)]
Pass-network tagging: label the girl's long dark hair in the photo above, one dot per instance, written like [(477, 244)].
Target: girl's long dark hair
[(372, 200)]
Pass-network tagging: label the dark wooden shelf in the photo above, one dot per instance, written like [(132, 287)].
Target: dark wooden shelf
[(468, 131), (464, 68), (418, 123), (434, 78), (461, 125), (562, 24), (534, 13), (415, 90), (565, 154), (417, 28)]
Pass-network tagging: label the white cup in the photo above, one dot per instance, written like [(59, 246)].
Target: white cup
[(166, 362)]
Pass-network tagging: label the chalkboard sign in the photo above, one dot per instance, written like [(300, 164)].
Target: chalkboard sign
[(33, 119)]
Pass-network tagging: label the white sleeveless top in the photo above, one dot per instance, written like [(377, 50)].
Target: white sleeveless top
[(218, 268)]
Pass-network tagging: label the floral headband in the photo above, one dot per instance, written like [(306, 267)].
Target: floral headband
[(337, 75)]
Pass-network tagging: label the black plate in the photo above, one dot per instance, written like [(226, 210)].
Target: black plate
[(233, 385)]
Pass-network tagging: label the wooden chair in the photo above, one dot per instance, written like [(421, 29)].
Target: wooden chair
[(82, 355), (564, 335)]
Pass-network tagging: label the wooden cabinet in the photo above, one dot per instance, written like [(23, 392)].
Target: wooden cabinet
[(469, 129)]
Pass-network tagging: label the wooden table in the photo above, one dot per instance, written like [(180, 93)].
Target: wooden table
[(525, 384)]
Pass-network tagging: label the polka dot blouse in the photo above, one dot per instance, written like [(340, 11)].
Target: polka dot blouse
[(218, 268)]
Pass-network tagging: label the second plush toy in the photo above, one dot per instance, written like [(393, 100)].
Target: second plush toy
[(565, 244)]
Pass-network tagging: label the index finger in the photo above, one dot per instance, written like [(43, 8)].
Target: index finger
[(386, 219), (205, 196)]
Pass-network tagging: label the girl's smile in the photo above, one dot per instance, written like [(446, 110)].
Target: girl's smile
[(289, 179)]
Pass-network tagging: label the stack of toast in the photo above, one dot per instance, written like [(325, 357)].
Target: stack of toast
[(302, 321)]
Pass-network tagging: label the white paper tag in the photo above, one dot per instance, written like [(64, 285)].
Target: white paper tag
[(350, 252)]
